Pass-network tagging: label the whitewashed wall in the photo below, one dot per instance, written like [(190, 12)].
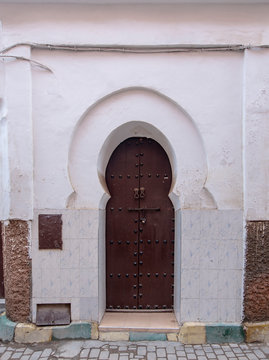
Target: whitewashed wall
[(207, 109)]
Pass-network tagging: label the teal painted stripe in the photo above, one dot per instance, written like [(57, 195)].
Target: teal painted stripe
[(224, 333), (7, 328), (147, 336), (72, 331)]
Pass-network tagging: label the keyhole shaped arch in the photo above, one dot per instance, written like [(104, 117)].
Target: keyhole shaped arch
[(134, 112)]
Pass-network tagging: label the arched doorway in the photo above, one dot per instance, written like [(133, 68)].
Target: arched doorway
[(139, 227)]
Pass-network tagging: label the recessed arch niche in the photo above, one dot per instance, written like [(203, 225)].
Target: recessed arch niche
[(128, 113)]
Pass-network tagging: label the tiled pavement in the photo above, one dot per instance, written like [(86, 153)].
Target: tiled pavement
[(92, 349)]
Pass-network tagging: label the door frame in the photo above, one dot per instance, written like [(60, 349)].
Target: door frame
[(115, 139)]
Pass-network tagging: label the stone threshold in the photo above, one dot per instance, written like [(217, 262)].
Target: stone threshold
[(162, 322), (190, 333)]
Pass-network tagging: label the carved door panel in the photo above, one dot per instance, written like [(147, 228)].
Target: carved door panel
[(139, 227)]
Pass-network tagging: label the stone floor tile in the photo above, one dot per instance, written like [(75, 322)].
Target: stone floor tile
[(252, 356), (171, 357), (124, 357), (94, 353), (36, 355), (46, 352), (221, 357), (141, 350), (151, 356), (151, 348), (25, 357), (28, 351), (161, 353), (259, 354), (191, 356), (219, 351), (211, 356), (226, 348), (6, 355), (84, 353), (189, 350), (16, 355), (104, 355), (199, 352), (113, 356)]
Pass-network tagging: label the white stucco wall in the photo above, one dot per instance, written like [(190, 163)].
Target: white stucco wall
[(207, 108), (257, 135)]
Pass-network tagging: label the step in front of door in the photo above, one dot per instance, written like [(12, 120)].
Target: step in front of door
[(139, 322)]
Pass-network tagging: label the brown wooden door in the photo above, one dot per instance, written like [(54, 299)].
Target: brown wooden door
[(139, 227)]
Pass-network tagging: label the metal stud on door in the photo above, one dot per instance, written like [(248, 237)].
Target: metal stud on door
[(139, 227)]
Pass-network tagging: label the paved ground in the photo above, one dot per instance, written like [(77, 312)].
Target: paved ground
[(92, 349)]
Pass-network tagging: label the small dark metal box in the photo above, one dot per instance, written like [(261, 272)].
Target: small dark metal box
[(53, 314)]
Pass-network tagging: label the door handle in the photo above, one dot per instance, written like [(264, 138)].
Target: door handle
[(142, 192), (136, 193)]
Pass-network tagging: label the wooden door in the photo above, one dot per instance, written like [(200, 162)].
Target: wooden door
[(139, 227)]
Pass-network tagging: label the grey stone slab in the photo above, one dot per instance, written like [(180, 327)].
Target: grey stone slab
[(124, 357), (141, 350), (94, 353), (16, 355), (6, 355), (36, 355), (191, 356), (181, 353), (219, 351), (151, 356), (25, 357), (259, 353), (171, 357), (46, 352), (211, 355), (84, 353), (199, 352), (113, 356), (161, 353), (28, 351), (104, 354), (252, 356), (265, 349)]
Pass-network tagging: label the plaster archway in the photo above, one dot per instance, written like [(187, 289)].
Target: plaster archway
[(136, 112), (116, 117)]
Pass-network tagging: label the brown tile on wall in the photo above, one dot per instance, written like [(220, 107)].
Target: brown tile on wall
[(256, 294), (50, 231), (17, 270)]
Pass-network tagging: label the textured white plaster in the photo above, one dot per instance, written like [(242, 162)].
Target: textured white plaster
[(184, 81), (257, 135), (192, 103), (18, 93), (161, 24)]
